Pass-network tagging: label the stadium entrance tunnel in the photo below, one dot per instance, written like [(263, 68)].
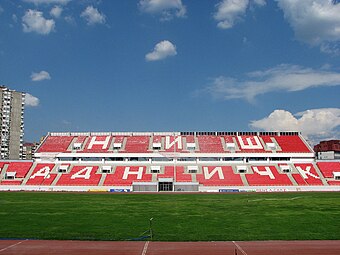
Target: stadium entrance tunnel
[(165, 186)]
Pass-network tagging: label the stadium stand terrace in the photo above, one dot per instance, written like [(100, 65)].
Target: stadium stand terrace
[(172, 161)]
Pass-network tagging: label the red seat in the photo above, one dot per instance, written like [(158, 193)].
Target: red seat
[(137, 144), (334, 182), (56, 144), (10, 182), (291, 143), (210, 144)]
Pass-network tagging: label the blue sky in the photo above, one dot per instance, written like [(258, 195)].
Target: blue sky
[(174, 65)]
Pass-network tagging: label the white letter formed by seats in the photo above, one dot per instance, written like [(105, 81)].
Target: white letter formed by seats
[(177, 140), (43, 172), (306, 172), (84, 173), (127, 172), (267, 172), (248, 143), (208, 175), (104, 143)]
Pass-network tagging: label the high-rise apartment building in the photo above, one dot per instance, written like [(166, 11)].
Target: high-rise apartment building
[(28, 150), (12, 105)]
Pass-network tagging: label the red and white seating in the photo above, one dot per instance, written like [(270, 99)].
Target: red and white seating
[(41, 175), (219, 176), (308, 174), (170, 143), (169, 172), (97, 144), (267, 175), (328, 168), (79, 142), (21, 168), (80, 176), (126, 175), (181, 176), (250, 144), (207, 158)]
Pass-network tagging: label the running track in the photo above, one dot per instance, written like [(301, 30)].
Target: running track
[(39, 247)]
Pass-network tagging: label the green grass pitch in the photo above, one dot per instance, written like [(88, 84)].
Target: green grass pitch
[(177, 217)]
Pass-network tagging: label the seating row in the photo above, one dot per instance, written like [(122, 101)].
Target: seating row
[(27, 173), (166, 143)]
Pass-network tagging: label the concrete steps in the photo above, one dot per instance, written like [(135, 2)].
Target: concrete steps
[(323, 179), (291, 178), (244, 179), (102, 179), (28, 175), (56, 179)]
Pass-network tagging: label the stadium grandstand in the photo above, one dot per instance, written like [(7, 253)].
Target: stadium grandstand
[(172, 161)]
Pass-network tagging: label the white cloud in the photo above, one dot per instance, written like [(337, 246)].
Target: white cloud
[(93, 16), (56, 11), (37, 2), (31, 100), (166, 8), (162, 50), (279, 78), (316, 22), (43, 75), (1, 10), (231, 11), (260, 2), (33, 21), (315, 124)]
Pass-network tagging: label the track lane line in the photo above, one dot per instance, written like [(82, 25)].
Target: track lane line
[(8, 247), (145, 249), (239, 247)]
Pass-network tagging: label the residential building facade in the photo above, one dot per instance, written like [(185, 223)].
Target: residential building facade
[(12, 104)]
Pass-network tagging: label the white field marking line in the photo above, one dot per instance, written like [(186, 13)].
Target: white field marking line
[(273, 199), (8, 247), (239, 247), (145, 249)]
